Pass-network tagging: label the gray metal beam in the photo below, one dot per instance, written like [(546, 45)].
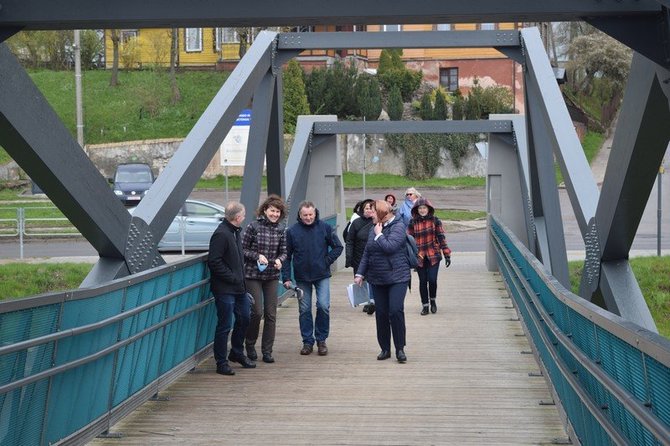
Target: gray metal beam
[(6, 33), (377, 127), (258, 143), (647, 35), (89, 14), (406, 39), (297, 165), (640, 141), (581, 186), (274, 152), (177, 180), (37, 140), (544, 192)]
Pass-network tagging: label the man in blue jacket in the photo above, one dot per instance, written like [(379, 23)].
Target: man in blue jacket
[(312, 246)]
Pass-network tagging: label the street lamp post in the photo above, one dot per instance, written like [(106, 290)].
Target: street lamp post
[(77, 88)]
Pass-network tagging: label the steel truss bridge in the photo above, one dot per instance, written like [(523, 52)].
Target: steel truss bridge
[(598, 357)]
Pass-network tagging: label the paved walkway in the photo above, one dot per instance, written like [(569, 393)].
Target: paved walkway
[(466, 381)]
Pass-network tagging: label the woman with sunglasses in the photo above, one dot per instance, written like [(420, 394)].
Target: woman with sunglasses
[(405, 209)]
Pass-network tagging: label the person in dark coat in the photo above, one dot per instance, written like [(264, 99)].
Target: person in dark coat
[(264, 245), (311, 246), (428, 232), (226, 266), (386, 267), (357, 237)]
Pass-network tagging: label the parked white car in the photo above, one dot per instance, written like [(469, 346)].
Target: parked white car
[(192, 227)]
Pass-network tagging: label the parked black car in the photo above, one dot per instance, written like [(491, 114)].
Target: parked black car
[(132, 181)]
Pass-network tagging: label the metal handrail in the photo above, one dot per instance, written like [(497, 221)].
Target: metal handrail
[(629, 401), (97, 325), (99, 354)]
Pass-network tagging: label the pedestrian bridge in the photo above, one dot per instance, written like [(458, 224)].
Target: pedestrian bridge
[(509, 358)]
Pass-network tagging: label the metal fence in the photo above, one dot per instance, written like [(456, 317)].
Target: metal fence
[(74, 363), (611, 376), (34, 222)]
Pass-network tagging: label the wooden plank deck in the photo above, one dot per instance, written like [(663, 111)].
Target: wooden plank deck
[(465, 382)]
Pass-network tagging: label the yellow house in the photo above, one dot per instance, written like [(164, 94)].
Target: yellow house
[(198, 47), (452, 68)]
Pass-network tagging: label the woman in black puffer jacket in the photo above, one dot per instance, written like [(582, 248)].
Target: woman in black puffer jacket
[(357, 237)]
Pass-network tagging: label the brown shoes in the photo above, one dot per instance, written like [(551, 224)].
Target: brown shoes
[(306, 349), (322, 349)]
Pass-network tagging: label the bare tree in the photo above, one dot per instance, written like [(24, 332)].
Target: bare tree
[(115, 36), (243, 35), (174, 53)]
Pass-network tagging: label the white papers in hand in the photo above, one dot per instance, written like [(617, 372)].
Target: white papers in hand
[(357, 294)]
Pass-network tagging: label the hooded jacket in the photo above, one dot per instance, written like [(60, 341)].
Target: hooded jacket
[(311, 249), (428, 233)]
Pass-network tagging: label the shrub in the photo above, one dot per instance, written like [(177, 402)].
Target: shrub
[(440, 112), (331, 91), (395, 106), (392, 72), (426, 109), (368, 97), (295, 98)]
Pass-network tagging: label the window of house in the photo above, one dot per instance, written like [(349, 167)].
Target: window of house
[(193, 39), (302, 29), (226, 35), (127, 34), (230, 35), (487, 26), (449, 78), (443, 27), (391, 27)]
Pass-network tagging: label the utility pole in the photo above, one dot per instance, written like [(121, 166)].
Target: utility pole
[(77, 89)]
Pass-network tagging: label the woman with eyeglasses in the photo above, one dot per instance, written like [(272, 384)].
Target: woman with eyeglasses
[(405, 210)]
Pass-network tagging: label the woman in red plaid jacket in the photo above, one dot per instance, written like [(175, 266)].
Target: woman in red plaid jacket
[(430, 239)]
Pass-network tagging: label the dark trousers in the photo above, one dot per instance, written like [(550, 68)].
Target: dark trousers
[(390, 314), (227, 307), (265, 306), (428, 281)]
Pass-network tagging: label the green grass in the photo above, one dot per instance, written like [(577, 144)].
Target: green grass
[(652, 274), (446, 214), (591, 145), (19, 280), (139, 108), (355, 181), (388, 181), (4, 157), (219, 183)]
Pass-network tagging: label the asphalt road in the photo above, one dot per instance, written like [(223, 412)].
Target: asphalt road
[(468, 241)]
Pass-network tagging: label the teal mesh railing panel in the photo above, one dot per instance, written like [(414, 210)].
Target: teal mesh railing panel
[(70, 360), (612, 377)]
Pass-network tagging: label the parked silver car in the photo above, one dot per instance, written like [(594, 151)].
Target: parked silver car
[(192, 227)]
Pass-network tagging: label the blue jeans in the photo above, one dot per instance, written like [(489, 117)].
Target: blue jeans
[(428, 280), (314, 328), (227, 306), (390, 314)]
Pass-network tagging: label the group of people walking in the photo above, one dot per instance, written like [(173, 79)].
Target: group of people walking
[(246, 266)]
